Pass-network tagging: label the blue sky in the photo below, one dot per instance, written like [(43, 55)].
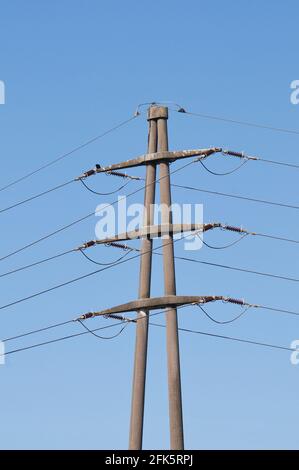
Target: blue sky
[(73, 69)]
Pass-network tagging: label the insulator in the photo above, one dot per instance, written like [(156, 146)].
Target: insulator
[(234, 154), (88, 244), (233, 229), (119, 317), (85, 316), (116, 173), (121, 175), (235, 301), (115, 317), (118, 245)]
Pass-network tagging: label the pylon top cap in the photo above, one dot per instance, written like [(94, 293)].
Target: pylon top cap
[(157, 112)]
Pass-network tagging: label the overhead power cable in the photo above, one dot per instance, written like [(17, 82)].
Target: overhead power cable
[(79, 278), (225, 322), (232, 338), (235, 121), (67, 154), (55, 188), (85, 276), (235, 196), (39, 330), (63, 338), (104, 194), (246, 158), (225, 173), (36, 263), (81, 219), (186, 330), (36, 196), (245, 233)]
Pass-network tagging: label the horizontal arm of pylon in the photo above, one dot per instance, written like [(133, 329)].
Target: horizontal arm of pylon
[(153, 303), (152, 157), (153, 231), (160, 156)]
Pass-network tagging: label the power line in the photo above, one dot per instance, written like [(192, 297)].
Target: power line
[(225, 173), (36, 263), (103, 337), (12, 338), (100, 263), (92, 273), (235, 196), (223, 247), (227, 321), (79, 278), (62, 185), (186, 330), (67, 154), (104, 194), (36, 196), (247, 158), (81, 219), (275, 162), (56, 325), (243, 123), (56, 340), (231, 338), (274, 237), (65, 227), (235, 268)]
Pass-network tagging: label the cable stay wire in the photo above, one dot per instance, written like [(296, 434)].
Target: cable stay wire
[(67, 154), (85, 217)]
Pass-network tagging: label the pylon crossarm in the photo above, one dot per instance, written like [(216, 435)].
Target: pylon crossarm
[(153, 303), (156, 157), (153, 231)]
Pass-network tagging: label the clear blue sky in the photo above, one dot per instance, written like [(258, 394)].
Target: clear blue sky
[(73, 69)]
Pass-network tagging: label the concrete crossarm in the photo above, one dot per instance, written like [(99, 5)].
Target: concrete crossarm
[(153, 303), (158, 157), (157, 231)]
